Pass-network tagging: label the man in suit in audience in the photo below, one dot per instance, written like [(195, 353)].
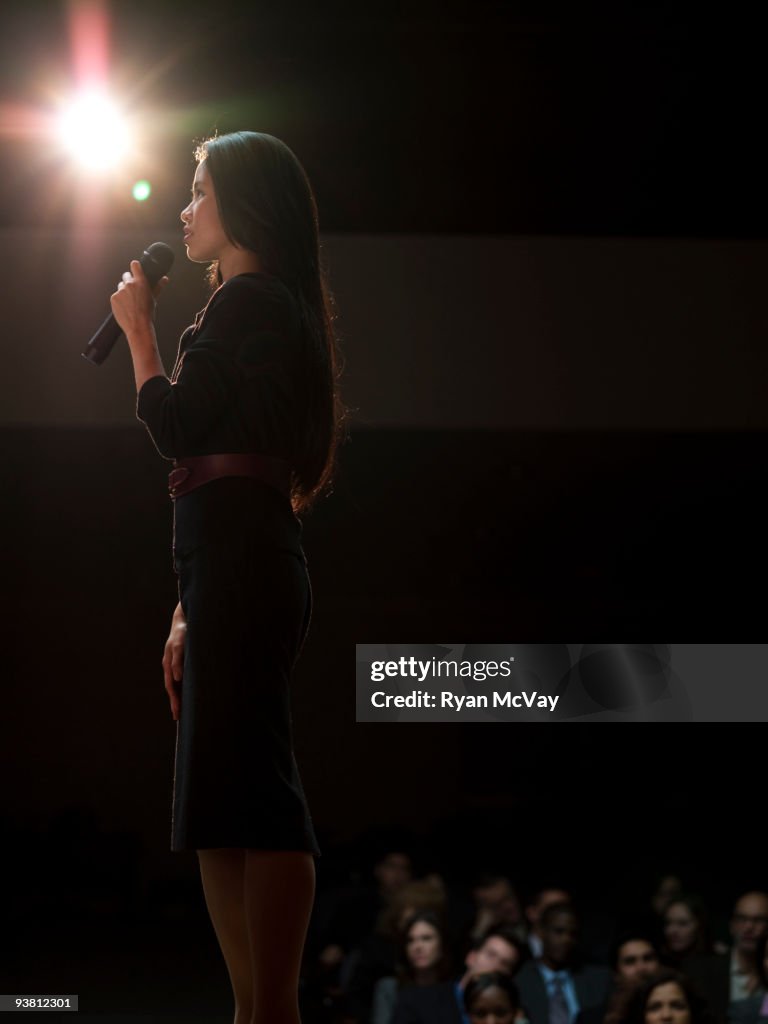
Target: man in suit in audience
[(733, 977), (497, 950), (556, 987)]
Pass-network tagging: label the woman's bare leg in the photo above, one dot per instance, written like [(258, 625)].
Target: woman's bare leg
[(223, 875), (279, 891)]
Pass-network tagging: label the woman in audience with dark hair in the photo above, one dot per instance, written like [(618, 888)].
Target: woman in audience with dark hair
[(686, 930), (423, 959), (667, 997), (492, 999), (754, 1008)]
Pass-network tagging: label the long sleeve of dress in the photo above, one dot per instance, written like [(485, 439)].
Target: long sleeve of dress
[(234, 378)]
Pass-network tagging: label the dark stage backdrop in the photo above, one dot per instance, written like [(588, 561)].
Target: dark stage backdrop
[(439, 331), (546, 433)]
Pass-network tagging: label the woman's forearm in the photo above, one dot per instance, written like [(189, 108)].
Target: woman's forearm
[(146, 357)]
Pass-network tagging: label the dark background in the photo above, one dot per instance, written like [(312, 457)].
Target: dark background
[(469, 129)]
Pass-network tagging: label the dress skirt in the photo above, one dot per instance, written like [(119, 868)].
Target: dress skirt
[(246, 595)]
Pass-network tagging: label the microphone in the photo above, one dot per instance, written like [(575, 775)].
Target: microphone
[(156, 261)]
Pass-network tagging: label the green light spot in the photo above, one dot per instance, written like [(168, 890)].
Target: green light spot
[(141, 191)]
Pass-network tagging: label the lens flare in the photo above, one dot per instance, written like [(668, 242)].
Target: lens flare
[(141, 191), (94, 131)]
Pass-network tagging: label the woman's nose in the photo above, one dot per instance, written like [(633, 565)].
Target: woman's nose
[(184, 214)]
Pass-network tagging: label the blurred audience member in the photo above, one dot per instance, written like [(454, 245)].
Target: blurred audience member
[(556, 987), (667, 997), (496, 903), (633, 958), (491, 999), (686, 930), (543, 898), (666, 889), (734, 977), (376, 956), (423, 960), (359, 907), (754, 1008)]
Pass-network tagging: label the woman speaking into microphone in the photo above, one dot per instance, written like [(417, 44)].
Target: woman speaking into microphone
[(252, 418)]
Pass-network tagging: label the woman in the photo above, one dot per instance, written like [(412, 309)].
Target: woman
[(251, 417), (378, 953), (423, 959), (492, 999), (667, 997), (686, 929)]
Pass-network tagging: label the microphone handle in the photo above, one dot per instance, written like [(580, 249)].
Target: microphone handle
[(103, 341)]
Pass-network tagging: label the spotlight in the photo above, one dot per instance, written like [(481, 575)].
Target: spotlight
[(94, 131)]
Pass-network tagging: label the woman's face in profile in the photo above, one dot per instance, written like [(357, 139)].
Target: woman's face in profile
[(491, 1007), (680, 928), (667, 1004), (423, 946), (204, 235)]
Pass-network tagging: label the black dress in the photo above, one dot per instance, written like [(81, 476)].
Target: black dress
[(242, 574)]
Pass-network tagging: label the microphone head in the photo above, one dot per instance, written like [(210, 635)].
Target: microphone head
[(157, 261)]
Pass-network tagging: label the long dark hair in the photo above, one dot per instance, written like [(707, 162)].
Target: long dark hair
[(266, 205)]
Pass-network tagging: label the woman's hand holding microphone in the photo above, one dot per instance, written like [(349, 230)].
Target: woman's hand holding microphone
[(133, 306)]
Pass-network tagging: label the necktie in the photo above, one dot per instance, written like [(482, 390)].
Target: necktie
[(558, 1004)]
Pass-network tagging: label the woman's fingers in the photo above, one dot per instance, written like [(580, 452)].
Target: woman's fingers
[(172, 667), (159, 286), (177, 661)]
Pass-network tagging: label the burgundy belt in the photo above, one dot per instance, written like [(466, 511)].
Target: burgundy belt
[(196, 470)]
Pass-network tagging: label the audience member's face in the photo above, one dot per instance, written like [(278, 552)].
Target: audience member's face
[(668, 889), (750, 921), (547, 898), (667, 1004), (423, 946), (559, 936), (637, 959), (681, 929), (492, 1006), (501, 899), (495, 954), (393, 872)]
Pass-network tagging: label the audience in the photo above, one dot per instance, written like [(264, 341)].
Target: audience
[(396, 945), (498, 951)]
